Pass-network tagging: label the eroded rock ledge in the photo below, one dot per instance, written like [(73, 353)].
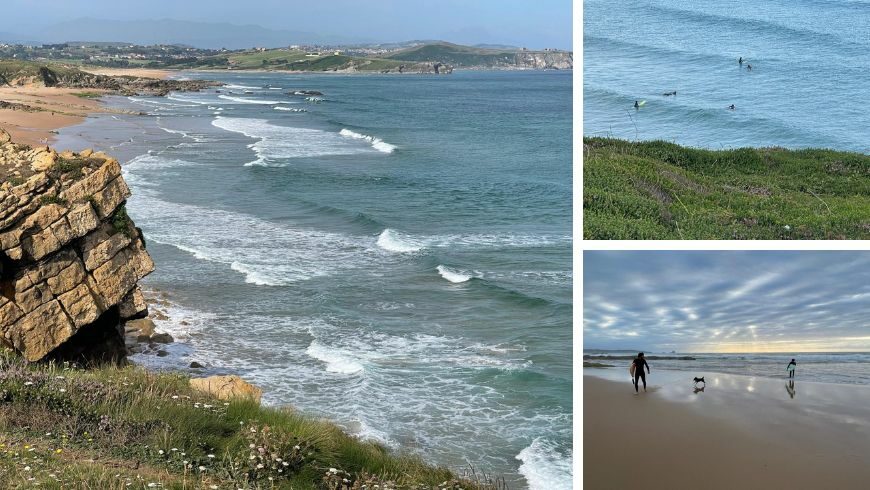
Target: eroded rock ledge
[(70, 257)]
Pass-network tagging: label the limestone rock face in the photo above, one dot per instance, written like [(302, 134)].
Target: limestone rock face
[(70, 258), (227, 387)]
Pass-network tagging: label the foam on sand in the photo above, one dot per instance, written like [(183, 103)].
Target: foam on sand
[(377, 143), (544, 468), (451, 275)]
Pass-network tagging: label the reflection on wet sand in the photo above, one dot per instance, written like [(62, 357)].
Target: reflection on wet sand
[(789, 387)]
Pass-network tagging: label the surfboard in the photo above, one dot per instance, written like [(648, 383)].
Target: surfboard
[(790, 368), (641, 103), (631, 369)]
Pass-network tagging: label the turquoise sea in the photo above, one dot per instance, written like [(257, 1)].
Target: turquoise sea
[(395, 257), (807, 86)]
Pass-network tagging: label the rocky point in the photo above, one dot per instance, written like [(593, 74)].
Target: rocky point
[(70, 257)]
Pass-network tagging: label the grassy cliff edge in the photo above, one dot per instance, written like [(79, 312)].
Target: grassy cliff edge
[(119, 428), (658, 190)]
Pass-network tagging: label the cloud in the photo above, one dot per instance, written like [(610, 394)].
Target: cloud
[(727, 300)]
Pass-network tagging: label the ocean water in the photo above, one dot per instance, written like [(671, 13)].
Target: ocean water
[(827, 367), (807, 86), (395, 257)]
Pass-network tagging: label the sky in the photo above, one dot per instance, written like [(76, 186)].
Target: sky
[(536, 24), (727, 301)]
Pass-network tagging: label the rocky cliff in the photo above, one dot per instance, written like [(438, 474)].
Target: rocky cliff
[(70, 257)]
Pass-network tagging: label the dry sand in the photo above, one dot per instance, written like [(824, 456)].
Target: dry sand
[(739, 432), (133, 72)]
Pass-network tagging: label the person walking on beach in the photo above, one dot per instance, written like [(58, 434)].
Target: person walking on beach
[(790, 368), (639, 362)]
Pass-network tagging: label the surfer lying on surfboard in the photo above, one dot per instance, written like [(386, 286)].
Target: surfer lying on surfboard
[(636, 370)]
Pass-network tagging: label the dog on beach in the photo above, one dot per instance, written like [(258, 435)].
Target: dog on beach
[(700, 380)]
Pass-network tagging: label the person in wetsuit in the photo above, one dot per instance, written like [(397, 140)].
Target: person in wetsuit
[(791, 369), (639, 362), (636, 105)]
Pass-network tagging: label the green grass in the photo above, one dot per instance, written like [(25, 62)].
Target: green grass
[(657, 190), (88, 95), (108, 427)]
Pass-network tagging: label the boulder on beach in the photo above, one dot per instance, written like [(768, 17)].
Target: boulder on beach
[(227, 387)]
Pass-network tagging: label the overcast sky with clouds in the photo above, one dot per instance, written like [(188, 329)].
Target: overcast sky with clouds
[(715, 301), (537, 24)]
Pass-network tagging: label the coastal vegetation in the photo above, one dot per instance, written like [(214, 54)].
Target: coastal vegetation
[(123, 427), (411, 57), (659, 190)]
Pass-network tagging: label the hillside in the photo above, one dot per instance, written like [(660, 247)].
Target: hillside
[(24, 73), (657, 190), (122, 427), (470, 57)]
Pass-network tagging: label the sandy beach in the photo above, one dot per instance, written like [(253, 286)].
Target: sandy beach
[(49, 109), (740, 432), (131, 72), (43, 110)]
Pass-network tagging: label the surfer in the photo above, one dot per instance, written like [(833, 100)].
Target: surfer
[(740, 61), (731, 107), (637, 366), (748, 67), (636, 105), (790, 368)]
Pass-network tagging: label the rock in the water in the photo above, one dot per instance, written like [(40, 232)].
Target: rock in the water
[(162, 338), (227, 387), (196, 365)]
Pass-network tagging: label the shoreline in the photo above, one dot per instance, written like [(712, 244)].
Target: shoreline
[(50, 109), (737, 432)]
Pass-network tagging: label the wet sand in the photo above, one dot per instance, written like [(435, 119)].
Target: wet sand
[(740, 432)]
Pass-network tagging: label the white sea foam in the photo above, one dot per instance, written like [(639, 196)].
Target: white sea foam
[(544, 467), (289, 109), (243, 100), (336, 360), (181, 98), (240, 87), (377, 143), (453, 275), (265, 252), (278, 143), (158, 103), (396, 242)]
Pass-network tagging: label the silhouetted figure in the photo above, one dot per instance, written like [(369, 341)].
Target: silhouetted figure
[(731, 107), (636, 105), (639, 363), (790, 368), (740, 61), (748, 67)]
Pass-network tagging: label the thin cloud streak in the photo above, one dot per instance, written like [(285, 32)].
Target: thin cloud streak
[(727, 301)]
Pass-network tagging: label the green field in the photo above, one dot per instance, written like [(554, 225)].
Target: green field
[(658, 190), (121, 428), (455, 54)]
